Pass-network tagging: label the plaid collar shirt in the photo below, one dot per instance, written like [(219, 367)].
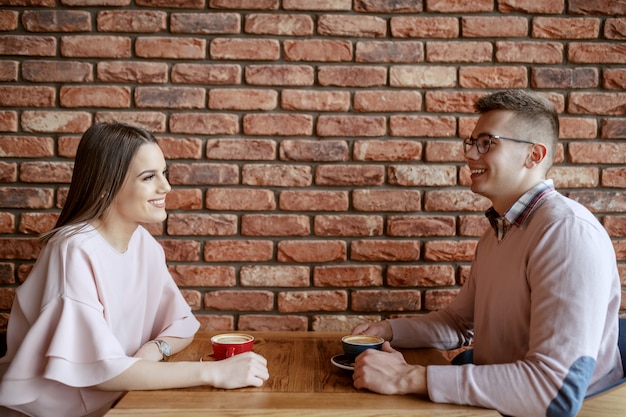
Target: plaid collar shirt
[(520, 210)]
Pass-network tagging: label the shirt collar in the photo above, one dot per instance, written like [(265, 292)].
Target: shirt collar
[(520, 210)]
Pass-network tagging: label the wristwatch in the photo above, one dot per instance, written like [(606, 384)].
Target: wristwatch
[(164, 348)]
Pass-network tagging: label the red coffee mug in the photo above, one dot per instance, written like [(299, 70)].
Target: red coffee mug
[(229, 344)]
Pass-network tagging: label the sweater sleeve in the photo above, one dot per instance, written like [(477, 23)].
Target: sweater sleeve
[(573, 295)]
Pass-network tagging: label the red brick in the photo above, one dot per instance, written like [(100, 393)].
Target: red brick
[(276, 175), (184, 199), (248, 99), (26, 146), (596, 7), (424, 27), (95, 96), (184, 4), (613, 128), (278, 124), (317, 50), (420, 275), (444, 151), (349, 175), (8, 20), (454, 200), (459, 52), (422, 175), (244, 4), (385, 51), (577, 127), (532, 6), (275, 225), (28, 45), (238, 250), (180, 148), (94, 46), (361, 26), (216, 322), (314, 200), (438, 299), (239, 199), (348, 276), (260, 322), (456, 6), (596, 53), (54, 172), (420, 226), (422, 77), (239, 300), (315, 100), (287, 75), (57, 71), (141, 21), (317, 5), (19, 248), (615, 28), (7, 296), (275, 276), (198, 224), (416, 126), (279, 24), (387, 150), (203, 174), (245, 49), (56, 21), (170, 48), (494, 27), (566, 28), (364, 76), (170, 97), (302, 301), (209, 74), (7, 225), (249, 149), (348, 225), (351, 126), (152, 121), (8, 70), (493, 77), (597, 103), (36, 223), (308, 150), (473, 225), (564, 78), (394, 300), (132, 71), (614, 177), (55, 121), (575, 177), (615, 225), (95, 2), (204, 123), (386, 200), (529, 52), (25, 96), (387, 101), (449, 251), (311, 251), (384, 6), (340, 323), (205, 23), (462, 101), (614, 78), (181, 250), (378, 250)]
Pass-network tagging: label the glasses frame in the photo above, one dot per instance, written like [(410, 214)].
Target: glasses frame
[(470, 142)]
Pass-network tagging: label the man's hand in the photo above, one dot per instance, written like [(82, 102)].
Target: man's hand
[(380, 329), (386, 372)]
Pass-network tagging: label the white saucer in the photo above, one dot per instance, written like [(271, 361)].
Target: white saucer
[(341, 361)]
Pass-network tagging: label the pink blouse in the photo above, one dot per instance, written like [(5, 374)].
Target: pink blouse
[(79, 318)]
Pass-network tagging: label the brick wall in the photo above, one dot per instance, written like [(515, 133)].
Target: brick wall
[(317, 172)]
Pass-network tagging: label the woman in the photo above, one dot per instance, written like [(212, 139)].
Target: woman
[(99, 310)]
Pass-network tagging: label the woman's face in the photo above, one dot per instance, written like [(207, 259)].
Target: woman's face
[(141, 199)]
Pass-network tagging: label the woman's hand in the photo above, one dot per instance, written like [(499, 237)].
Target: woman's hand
[(242, 370)]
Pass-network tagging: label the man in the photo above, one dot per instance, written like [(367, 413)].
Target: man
[(542, 299)]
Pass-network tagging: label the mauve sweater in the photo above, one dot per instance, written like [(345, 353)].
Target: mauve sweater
[(541, 307)]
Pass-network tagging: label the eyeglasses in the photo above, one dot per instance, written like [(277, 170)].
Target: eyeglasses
[(483, 142)]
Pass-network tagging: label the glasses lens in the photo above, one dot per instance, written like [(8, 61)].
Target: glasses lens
[(483, 142)]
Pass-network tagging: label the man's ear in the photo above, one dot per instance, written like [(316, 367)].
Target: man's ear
[(537, 155)]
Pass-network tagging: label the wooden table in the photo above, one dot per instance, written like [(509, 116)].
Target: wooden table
[(609, 403), (303, 382)]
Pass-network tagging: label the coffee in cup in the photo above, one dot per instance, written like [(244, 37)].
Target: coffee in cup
[(354, 345), (229, 344)]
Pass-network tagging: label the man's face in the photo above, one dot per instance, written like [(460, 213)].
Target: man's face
[(499, 174)]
